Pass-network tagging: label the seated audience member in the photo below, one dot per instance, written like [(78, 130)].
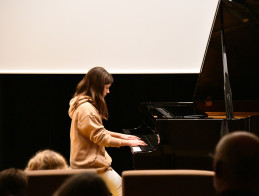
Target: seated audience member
[(83, 184), (47, 159), (236, 164), (13, 182)]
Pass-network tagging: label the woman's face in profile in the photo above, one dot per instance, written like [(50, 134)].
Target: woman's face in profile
[(106, 89)]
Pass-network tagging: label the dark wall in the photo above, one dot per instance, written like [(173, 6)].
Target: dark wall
[(34, 110)]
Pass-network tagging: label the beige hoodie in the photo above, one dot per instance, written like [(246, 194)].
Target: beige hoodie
[(89, 138)]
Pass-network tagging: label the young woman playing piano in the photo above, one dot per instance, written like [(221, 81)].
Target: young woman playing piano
[(87, 133)]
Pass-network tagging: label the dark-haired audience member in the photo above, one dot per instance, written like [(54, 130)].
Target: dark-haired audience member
[(47, 159), (83, 184), (236, 165), (13, 182)]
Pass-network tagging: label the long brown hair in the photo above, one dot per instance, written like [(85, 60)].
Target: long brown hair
[(92, 85)]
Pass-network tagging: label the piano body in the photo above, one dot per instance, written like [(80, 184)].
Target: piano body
[(182, 135)]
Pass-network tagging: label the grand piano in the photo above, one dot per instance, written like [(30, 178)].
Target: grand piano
[(183, 135)]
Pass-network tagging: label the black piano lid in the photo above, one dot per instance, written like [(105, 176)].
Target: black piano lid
[(241, 30)]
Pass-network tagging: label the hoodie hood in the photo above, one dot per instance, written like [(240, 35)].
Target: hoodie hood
[(76, 102)]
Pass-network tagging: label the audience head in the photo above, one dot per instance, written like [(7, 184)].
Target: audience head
[(236, 163), (13, 182), (87, 183), (47, 159)]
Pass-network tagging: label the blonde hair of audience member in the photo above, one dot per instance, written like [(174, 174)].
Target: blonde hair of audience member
[(13, 182), (236, 163), (83, 184), (47, 159)]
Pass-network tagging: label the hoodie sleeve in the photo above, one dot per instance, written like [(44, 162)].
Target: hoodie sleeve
[(92, 127)]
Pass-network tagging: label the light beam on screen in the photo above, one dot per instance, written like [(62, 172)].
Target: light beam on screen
[(137, 36)]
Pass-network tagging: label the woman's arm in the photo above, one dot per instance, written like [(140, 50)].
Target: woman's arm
[(137, 142), (127, 140), (123, 136)]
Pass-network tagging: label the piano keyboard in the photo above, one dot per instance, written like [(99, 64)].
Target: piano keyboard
[(145, 134), (151, 140)]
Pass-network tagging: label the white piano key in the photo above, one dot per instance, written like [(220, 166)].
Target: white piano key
[(136, 149)]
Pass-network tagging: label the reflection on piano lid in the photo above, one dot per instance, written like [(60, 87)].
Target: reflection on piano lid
[(241, 33)]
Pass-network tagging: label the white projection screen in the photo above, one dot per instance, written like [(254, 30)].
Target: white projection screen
[(124, 36)]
